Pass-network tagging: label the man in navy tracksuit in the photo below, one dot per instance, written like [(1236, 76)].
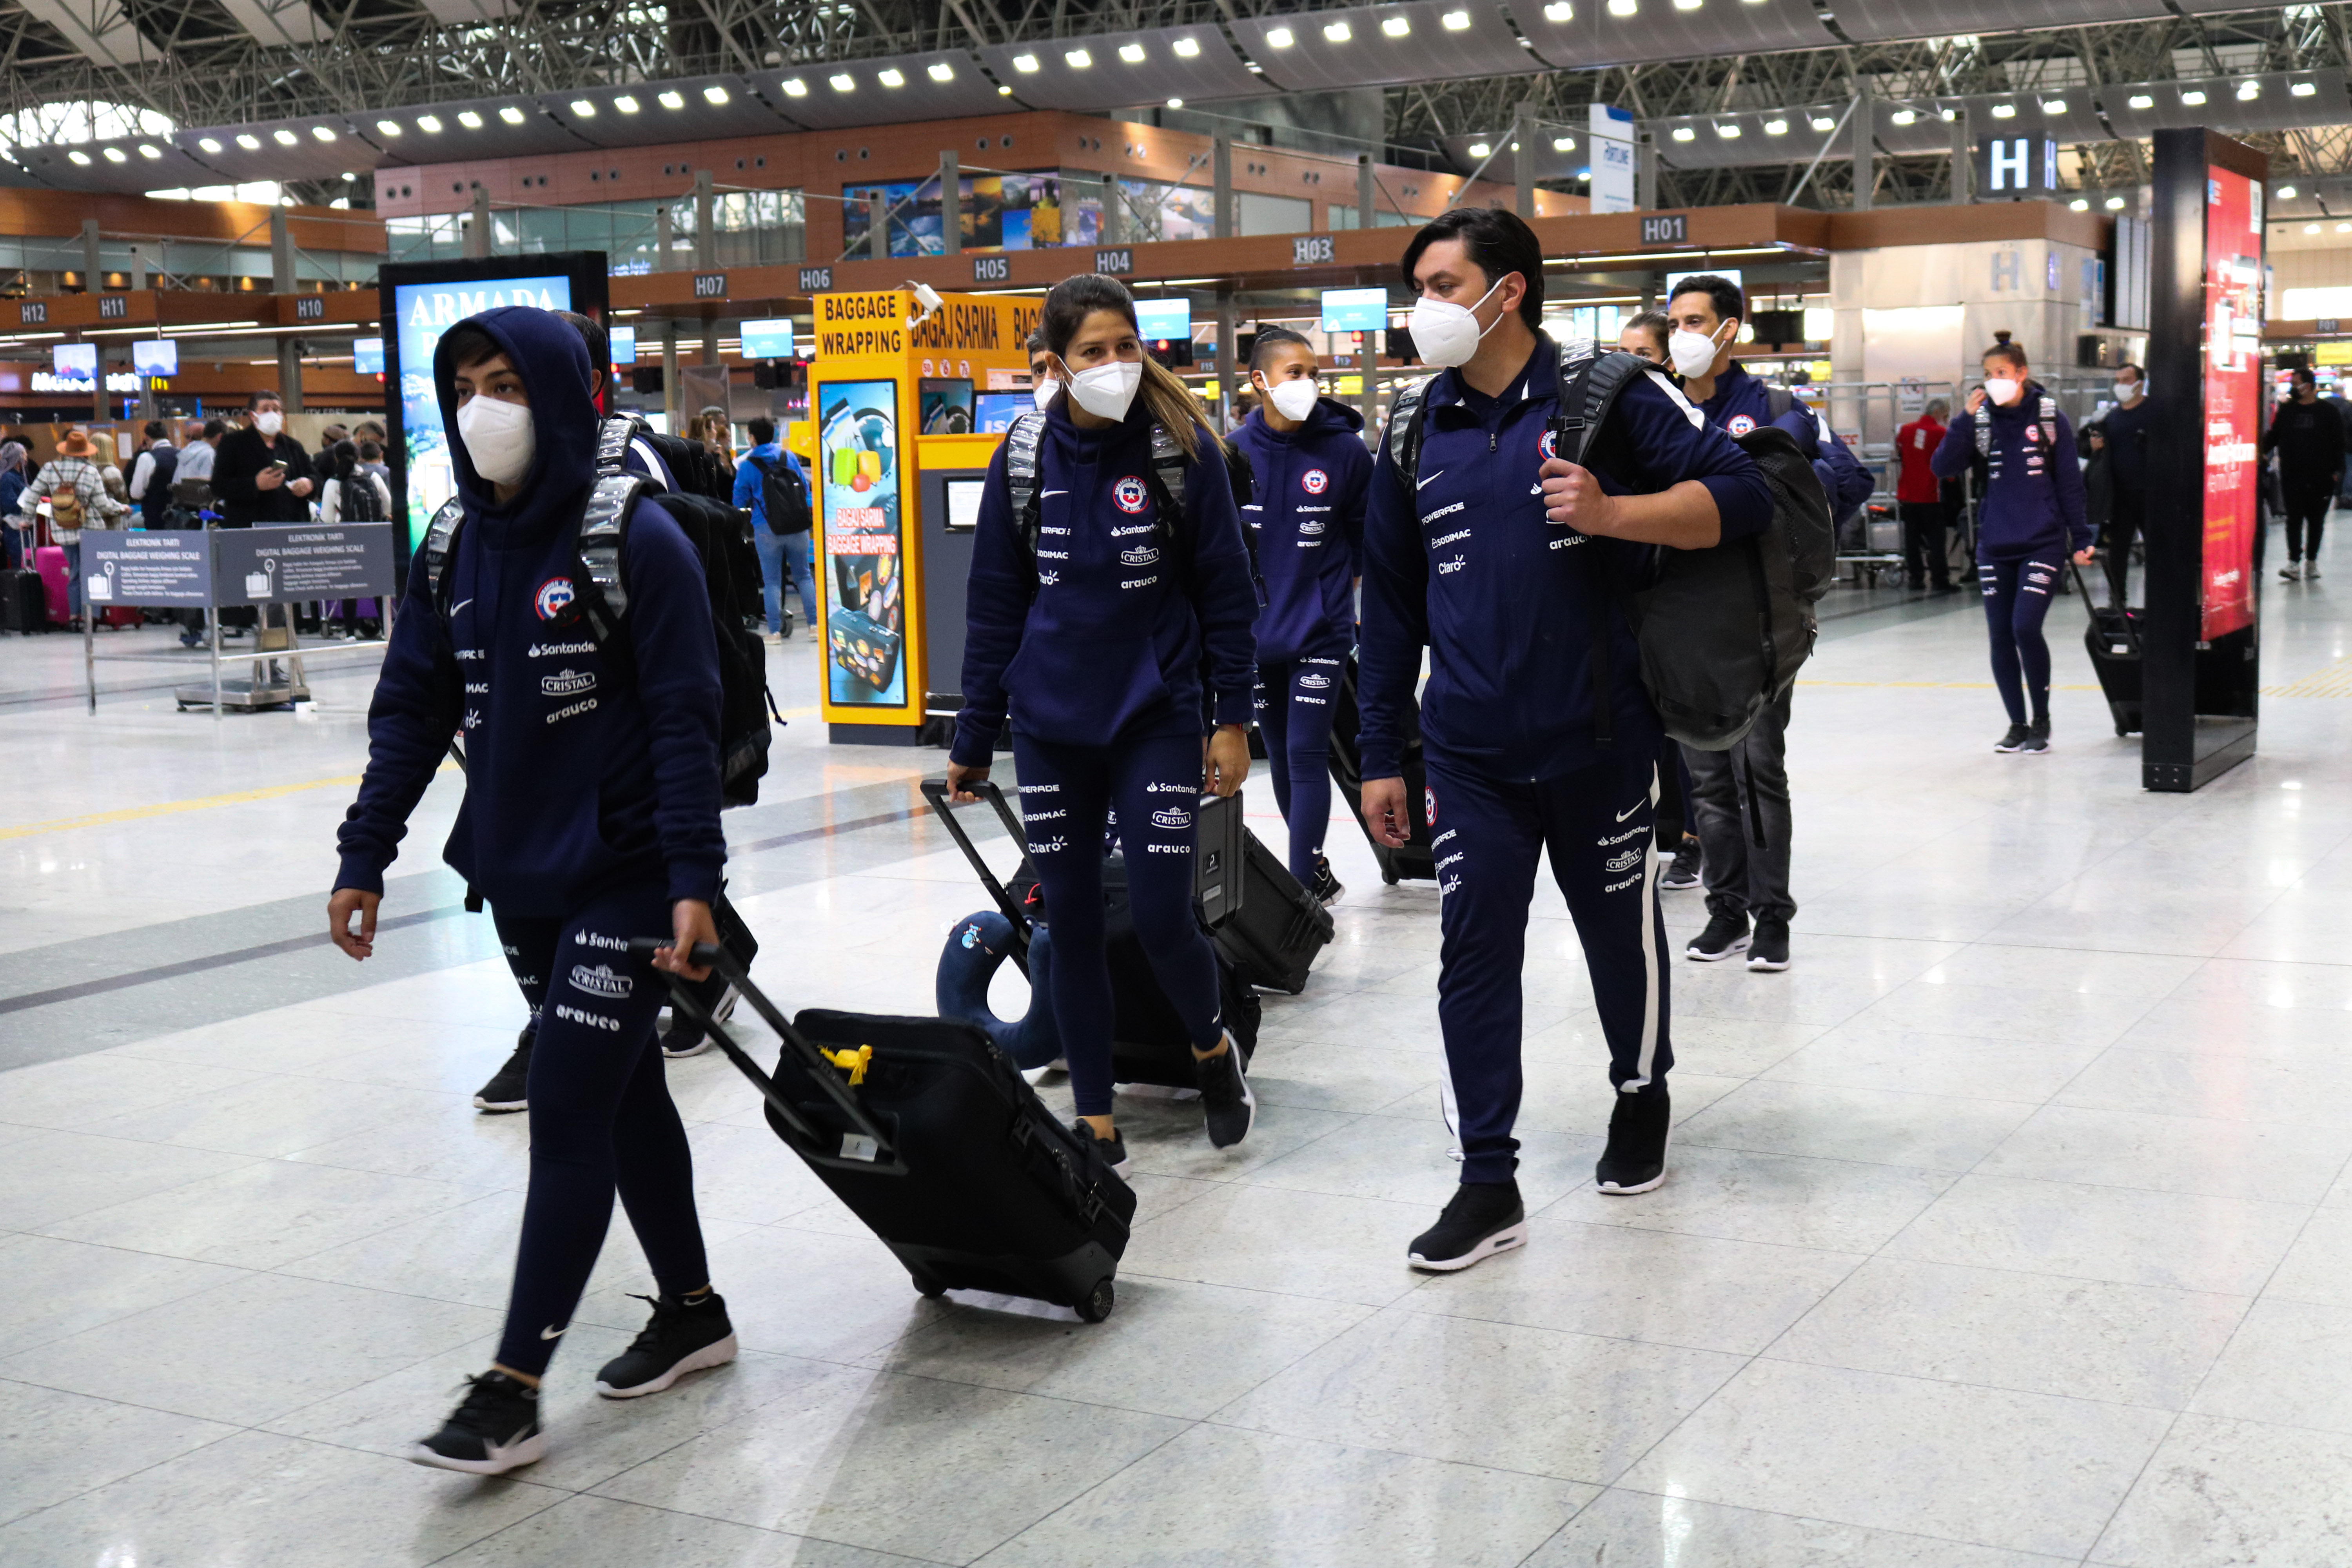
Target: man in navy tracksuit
[(591, 817), (1498, 557), (2031, 516), (1306, 510), (1741, 792)]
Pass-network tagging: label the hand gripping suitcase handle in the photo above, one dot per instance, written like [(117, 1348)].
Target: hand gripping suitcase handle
[(877, 1154), (936, 792)]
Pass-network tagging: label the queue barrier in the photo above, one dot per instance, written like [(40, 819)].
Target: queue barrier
[(275, 566)]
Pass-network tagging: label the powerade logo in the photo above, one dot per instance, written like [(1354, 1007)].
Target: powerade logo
[(1129, 496), (1314, 481), (602, 982), (1174, 818), (553, 596)]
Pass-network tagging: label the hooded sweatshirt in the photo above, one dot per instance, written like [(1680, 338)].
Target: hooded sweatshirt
[(1111, 646), (1308, 506), (585, 770), (2033, 500)]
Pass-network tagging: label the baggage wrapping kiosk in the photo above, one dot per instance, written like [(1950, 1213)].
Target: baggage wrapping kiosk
[(901, 406)]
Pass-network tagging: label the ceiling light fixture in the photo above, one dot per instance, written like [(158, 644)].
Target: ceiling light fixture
[(2194, 98), (1077, 59), (117, 155), (2004, 112), (2053, 106), (2249, 90), (1563, 143), (1002, 90), (469, 120), (672, 101), (1186, 48), (1280, 37), (2311, 229), (80, 159), (1824, 122), (2284, 193), (1175, 103), (2141, 100), (2114, 204), (1905, 116), (1024, 63), (1337, 32), (1689, 4), (583, 109), (2080, 204), (1396, 27), (1685, 133), (1776, 128), (250, 143), (1622, 7), (1728, 132), (1455, 21), (2303, 88), (322, 133), (940, 70), (1559, 11), (1131, 53), (715, 96), (209, 145), (511, 115), (628, 105), (283, 137), (1481, 150), (842, 82), (891, 78), (383, 128)]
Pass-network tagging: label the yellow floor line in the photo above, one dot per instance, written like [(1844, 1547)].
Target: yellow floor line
[(173, 807), (2334, 680)]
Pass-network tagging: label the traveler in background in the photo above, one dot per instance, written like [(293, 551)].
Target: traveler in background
[(352, 494), (1309, 471), (152, 475), (1041, 384), (197, 457), (2309, 438), (109, 470), (2031, 515), (328, 435), (768, 467), (1740, 796), (1097, 647), (1646, 334), (584, 825), (261, 474), (1919, 501), (75, 490), (709, 428), (2099, 482), (1497, 558), (372, 461), (2127, 428), (642, 458), (16, 544)]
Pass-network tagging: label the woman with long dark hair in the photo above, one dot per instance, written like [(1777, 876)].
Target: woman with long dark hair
[(1096, 614)]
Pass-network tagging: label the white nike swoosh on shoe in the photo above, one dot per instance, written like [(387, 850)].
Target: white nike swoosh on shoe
[(1423, 484)]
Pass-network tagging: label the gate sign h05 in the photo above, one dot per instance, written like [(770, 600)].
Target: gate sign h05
[(2012, 168)]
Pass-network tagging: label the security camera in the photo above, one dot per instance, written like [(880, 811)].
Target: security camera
[(929, 298)]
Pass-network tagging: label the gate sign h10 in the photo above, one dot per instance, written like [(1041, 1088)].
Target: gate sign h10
[(2010, 167)]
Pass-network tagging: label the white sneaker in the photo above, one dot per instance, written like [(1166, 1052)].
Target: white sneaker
[(2311, 572), (1033, 1077), (2291, 572)]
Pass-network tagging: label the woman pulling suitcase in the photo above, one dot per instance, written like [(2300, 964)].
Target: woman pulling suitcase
[(1094, 613)]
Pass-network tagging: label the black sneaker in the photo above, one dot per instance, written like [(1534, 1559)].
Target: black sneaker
[(685, 1037), (1326, 887), (504, 1092), (1724, 936), (494, 1429), (1635, 1160), (2015, 739), (680, 1339), (1480, 1220), (1769, 951), (1684, 872), (1227, 1106), (2037, 738), (1112, 1149)]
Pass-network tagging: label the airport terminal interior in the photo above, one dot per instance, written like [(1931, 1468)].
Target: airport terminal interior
[(2000, 1215)]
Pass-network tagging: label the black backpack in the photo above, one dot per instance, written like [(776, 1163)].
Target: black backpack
[(783, 497), (722, 539), (358, 499), (1722, 631)]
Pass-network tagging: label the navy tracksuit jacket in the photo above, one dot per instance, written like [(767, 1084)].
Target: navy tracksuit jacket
[(1306, 510), (1740, 403), (1460, 558), (2034, 503)]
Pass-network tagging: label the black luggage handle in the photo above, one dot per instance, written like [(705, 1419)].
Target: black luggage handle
[(936, 792), (867, 1148), (2131, 632)]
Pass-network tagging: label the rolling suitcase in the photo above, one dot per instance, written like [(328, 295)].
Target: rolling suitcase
[(56, 584), (2113, 642), (1413, 860), (24, 606), (930, 1136), (1148, 1040), (1268, 926)]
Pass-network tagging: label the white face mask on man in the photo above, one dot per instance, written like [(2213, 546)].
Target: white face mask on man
[(1293, 399), (1042, 393), (1108, 391), (2130, 391), (1693, 354), (1447, 334), (270, 423), (500, 438)]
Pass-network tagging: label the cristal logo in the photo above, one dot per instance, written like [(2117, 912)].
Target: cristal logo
[(1741, 425), (602, 982), (1129, 495), (1625, 861), (1140, 555), (1175, 818), (566, 683), (552, 596), (1310, 526), (1314, 481), (1314, 682)]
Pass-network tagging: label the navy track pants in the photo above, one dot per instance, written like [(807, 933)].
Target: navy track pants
[(1597, 826), (601, 1117), (1293, 710), (2016, 601)]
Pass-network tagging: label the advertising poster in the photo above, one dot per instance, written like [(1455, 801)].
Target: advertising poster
[(859, 457), (426, 310), (2234, 405)]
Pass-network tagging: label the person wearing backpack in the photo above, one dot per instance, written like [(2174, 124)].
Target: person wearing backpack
[(1740, 795), (1510, 566), (152, 475), (74, 487), (771, 482), (1097, 594), (353, 493), (2032, 517), (1306, 454), (590, 816)]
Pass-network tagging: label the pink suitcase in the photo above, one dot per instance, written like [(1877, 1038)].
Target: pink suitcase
[(49, 560)]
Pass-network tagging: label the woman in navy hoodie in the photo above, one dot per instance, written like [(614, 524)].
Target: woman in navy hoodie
[(2030, 519), (1093, 639), (590, 816), (1307, 456)]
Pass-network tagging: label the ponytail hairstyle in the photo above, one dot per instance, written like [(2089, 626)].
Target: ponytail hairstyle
[(1165, 396)]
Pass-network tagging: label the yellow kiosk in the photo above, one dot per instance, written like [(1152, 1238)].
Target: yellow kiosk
[(908, 399)]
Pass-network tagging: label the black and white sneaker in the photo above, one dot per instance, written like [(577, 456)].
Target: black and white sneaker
[(494, 1429), (2014, 740), (1769, 951), (1227, 1106), (1684, 872), (1112, 1149), (681, 1338), (685, 1037), (505, 1091), (1033, 1077), (1480, 1220), (1326, 887), (1724, 936), (2037, 738), (1635, 1160)]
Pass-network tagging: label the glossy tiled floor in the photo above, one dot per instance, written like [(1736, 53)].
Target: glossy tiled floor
[(2012, 1225)]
